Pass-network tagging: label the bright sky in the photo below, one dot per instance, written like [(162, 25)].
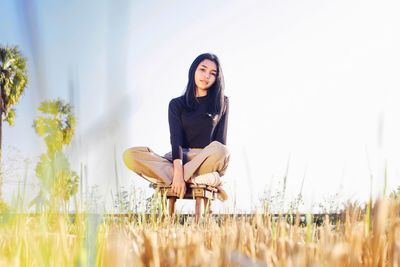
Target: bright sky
[(312, 84)]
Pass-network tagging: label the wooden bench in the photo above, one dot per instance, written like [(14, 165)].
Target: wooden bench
[(199, 193)]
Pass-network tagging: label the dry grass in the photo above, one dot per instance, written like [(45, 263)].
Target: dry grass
[(53, 240)]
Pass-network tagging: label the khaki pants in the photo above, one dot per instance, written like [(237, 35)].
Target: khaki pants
[(196, 161)]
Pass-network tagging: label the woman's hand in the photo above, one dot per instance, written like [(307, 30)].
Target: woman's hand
[(178, 185)]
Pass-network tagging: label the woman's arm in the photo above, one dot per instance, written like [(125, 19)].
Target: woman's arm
[(178, 183), (176, 131), (175, 128), (222, 127)]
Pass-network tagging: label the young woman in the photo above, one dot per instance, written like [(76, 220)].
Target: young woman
[(198, 123)]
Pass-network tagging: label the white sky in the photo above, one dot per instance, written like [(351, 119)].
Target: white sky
[(313, 81)]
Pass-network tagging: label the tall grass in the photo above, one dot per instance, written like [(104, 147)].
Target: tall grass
[(54, 239)]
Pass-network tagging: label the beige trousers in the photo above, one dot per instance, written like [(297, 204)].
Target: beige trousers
[(196, 161)]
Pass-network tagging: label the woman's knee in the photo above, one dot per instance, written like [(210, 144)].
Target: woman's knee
[(218, 158), (220, 150), (127, 157), (130, 156)]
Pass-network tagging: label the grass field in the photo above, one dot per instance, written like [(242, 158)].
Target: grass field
[(362, 237)]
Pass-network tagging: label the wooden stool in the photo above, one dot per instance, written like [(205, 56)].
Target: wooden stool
[(193, 191)]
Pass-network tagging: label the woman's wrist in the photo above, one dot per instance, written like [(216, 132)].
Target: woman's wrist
[(178, 169)]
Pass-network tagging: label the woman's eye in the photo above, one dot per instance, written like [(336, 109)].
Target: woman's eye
[(213, 73)]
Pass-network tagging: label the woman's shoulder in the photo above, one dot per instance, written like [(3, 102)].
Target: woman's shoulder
[(177, 101)]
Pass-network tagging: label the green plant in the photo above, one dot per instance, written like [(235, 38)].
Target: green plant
[(58, 182), (13, 80)]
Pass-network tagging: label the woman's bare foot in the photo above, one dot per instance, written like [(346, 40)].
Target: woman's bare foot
[(221, 194)]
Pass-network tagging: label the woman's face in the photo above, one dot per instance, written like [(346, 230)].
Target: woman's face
[(205, 75)]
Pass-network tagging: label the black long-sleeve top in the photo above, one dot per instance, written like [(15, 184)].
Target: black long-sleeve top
[(196, 128)]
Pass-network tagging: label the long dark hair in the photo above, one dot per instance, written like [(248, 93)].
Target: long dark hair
[(216, 91)]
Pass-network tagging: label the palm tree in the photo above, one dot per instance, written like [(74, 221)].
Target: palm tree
[(13, 80), (59, 183)]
